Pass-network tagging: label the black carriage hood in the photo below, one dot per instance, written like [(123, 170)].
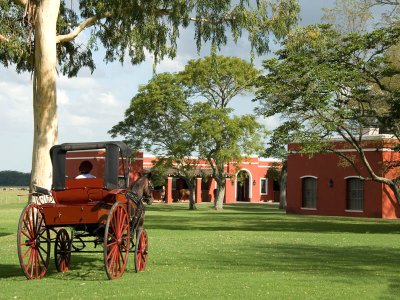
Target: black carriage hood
[(113, 151)]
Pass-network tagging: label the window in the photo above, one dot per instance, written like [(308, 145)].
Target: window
[(174, 183), (309, 192), (276, 186), (264, 186), (355, 194)]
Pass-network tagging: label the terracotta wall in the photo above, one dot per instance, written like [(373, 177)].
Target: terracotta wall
[(331, 172)]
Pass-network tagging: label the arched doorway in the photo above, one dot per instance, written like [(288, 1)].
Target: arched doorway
[(243, 179)]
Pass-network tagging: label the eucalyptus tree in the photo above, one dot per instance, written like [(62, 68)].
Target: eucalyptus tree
[(40, 35), (325, 85)]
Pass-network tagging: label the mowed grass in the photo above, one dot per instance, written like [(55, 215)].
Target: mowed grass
[(243, 252), (10, 195)]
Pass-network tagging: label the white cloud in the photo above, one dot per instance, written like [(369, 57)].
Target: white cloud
[(271, 122), (76, 83)]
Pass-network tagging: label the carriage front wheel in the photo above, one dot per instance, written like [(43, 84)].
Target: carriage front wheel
[(62, 250), (116, 241), (33, 241), (141, 250)]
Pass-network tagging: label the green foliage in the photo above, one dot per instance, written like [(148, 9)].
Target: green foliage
[(221, 138), (19, 49), (324, 85), (163, 119), (218, 79), (126, 30), (14, 178), (157, 117), (15, 51)]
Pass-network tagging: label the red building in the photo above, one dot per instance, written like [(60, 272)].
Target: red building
[(255, 186), (325, 185)]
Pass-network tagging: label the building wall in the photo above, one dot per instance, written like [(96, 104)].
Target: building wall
[(331, 173), (256, 167)]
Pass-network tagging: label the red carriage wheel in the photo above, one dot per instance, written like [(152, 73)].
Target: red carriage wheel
[(141, 250), (62, 250), (33, 242), (116, 241)]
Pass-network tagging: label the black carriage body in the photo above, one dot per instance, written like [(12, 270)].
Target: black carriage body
[(114, 151)]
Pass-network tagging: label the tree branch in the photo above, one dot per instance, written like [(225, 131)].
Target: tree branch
[(346, 158), (92, 20), (85, 24)]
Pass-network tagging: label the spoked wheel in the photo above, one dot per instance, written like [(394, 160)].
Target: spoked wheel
[(141, 250), (62, 250), (116, 241), (33, 242)]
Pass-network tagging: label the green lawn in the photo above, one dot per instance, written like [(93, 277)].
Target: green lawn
[(244, 252)]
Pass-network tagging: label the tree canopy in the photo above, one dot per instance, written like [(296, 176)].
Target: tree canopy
[(14, 178), (218, 79)]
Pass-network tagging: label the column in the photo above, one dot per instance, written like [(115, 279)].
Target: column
[(198, 196), (168, 191)]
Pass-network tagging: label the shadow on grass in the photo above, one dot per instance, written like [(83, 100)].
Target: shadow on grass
[(332, 263), (261, 218), (83, 267), (5, 233), (10, 271), (86, 267)]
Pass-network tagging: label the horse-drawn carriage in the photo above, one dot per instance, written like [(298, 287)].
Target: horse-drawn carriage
[(77, 212)]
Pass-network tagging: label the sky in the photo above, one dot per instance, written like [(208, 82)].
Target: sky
[(90, 104)]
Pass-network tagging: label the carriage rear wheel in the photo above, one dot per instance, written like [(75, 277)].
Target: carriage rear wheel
[(141, 250), (33, 242), (62, 250), (116, 241)]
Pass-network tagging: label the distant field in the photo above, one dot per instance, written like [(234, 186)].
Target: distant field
[(10, 195)]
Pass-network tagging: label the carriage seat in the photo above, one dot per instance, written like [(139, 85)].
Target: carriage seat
[(84, 183), (80, 191)]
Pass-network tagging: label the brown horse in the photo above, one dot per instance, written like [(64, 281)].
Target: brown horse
[(183, 194), (143, 189)]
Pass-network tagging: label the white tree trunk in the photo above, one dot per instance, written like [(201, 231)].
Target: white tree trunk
[(219, 201), (44, 92), (192, 200)]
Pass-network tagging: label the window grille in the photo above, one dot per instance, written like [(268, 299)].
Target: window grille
[(309, 192), (355, 194)]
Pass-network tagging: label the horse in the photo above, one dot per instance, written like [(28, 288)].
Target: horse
[(183, 194), (142, 189)]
